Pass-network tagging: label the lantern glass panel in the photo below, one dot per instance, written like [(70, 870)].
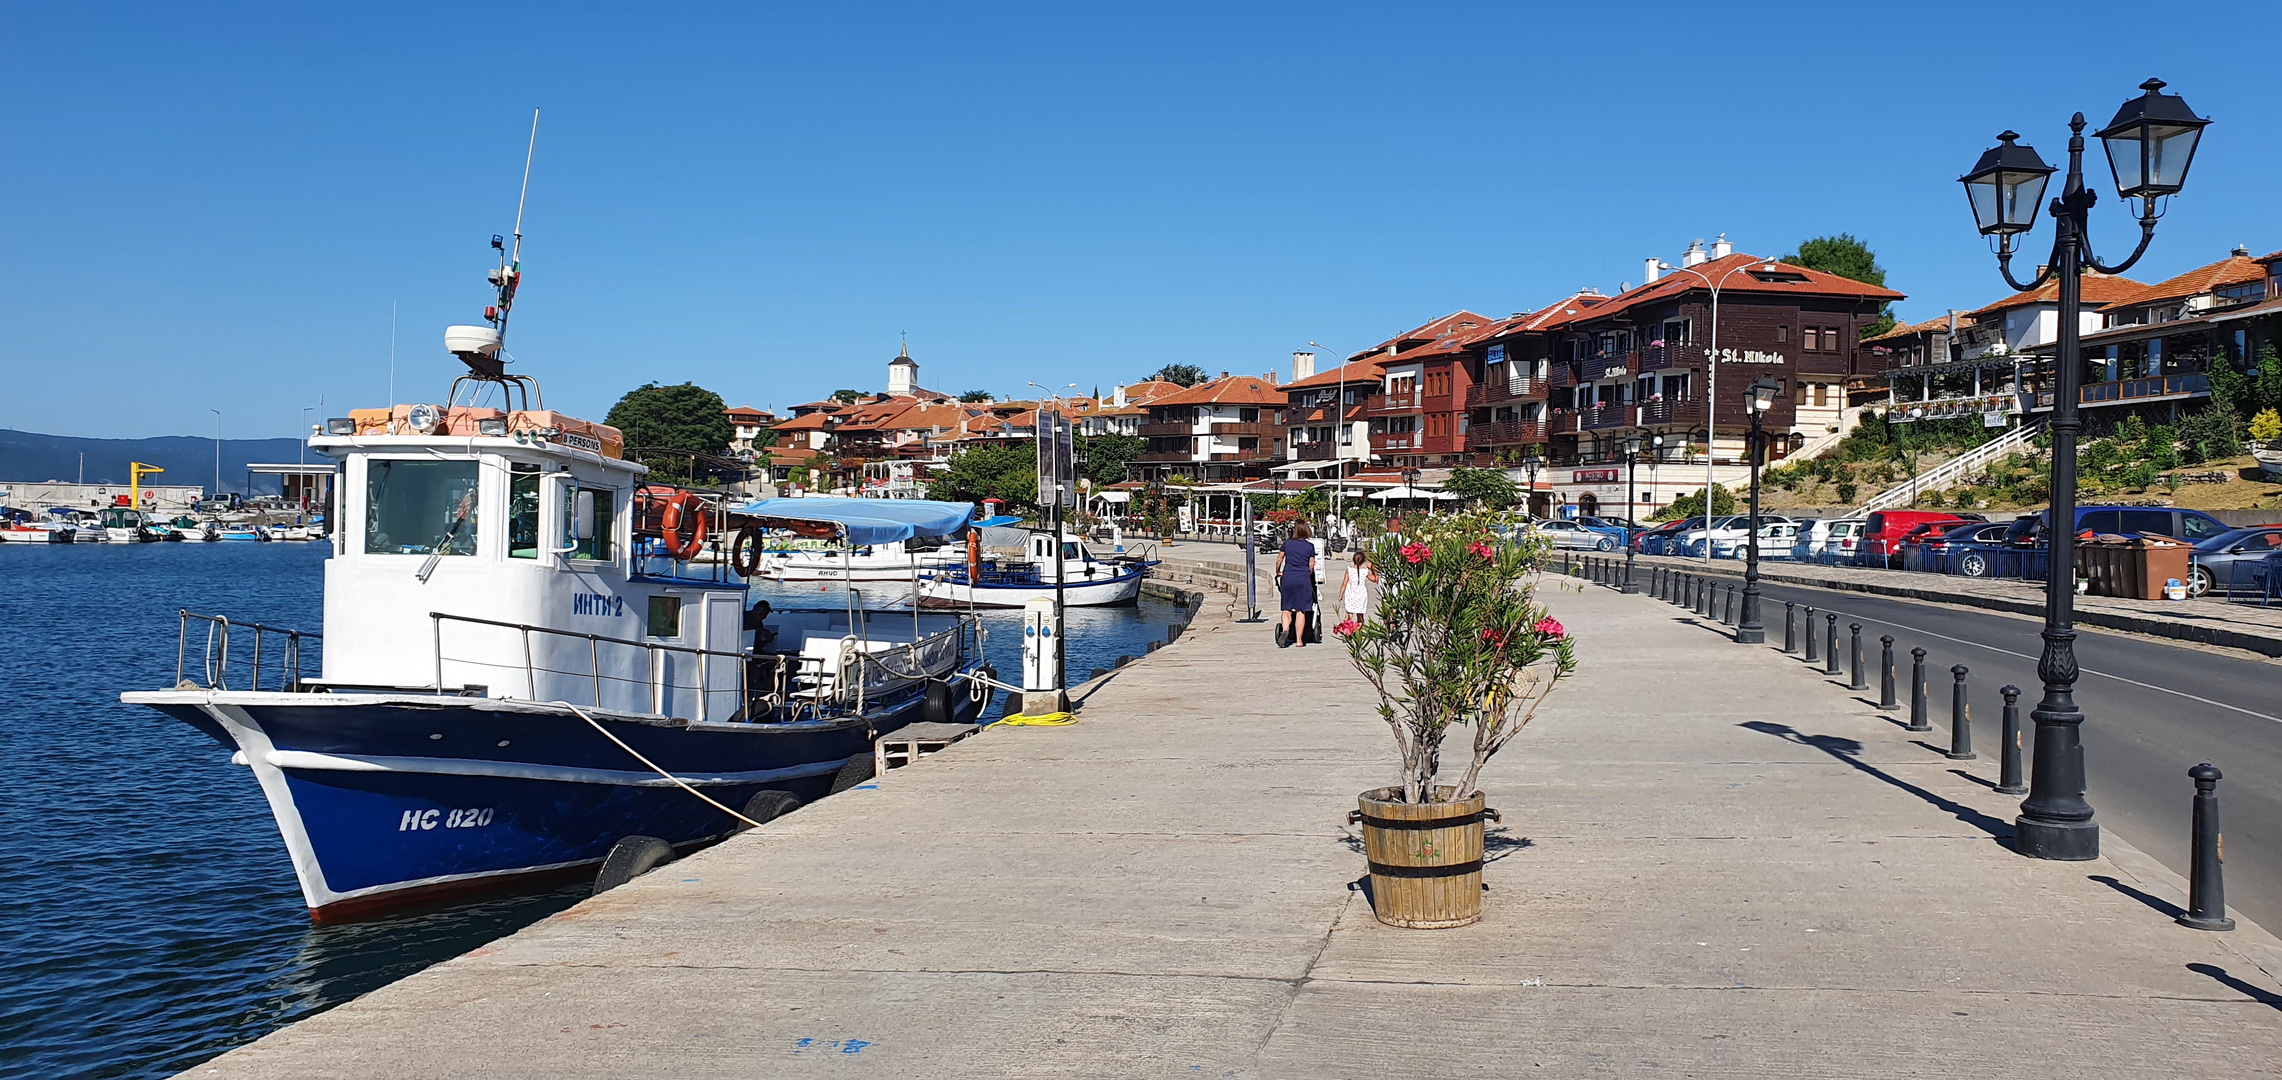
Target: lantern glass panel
[(1981, 191), (2021, 194), (2127, 159), (2170, 148)]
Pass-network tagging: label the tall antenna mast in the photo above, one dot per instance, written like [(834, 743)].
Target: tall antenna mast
[(528, 151)]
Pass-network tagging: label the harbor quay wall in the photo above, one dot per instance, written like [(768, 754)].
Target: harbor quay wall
[(41, 495)]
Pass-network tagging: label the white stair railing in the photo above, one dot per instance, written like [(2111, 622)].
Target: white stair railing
[(1951, 471)]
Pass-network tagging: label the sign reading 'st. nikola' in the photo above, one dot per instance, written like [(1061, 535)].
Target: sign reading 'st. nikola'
[(1748, 356)]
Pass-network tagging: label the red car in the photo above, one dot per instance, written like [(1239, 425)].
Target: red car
[(1883, 532)]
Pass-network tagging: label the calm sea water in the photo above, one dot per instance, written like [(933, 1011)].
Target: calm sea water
[(151, 915)]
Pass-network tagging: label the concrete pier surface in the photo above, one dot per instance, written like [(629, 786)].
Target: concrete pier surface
[(1712, 862)]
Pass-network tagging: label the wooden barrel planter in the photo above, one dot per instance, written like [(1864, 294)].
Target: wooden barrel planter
[(1426, 858)]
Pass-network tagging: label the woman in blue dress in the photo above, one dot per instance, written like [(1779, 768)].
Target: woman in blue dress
[(1295, 580)]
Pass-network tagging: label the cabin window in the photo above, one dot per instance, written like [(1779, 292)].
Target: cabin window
[(597, 547), (420, 507), (665, 616), (523, 511)]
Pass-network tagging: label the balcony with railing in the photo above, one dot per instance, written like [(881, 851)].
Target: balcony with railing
[(1148, 431), (1606, 416), (2125, 391), (1381, 404), (1523, 388), (1398, 442), (1663, 411), (1504, 433), (1159, 457)]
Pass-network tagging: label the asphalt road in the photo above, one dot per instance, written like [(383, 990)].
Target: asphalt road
[(2151, 710)]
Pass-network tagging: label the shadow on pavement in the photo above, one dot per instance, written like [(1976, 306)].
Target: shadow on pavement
[(2169, 909), (1845, 750), (2261, 996)]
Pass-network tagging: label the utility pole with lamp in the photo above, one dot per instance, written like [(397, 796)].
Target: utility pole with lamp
[(2150, 144), (1711, 374), (1757, 399), (1631, 470)]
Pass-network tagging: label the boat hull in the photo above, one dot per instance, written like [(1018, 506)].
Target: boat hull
[(949, 592), (386, 801)]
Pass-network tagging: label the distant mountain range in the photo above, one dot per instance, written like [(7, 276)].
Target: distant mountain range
[(29, 457)]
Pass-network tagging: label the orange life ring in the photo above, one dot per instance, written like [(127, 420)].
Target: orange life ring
[(684, 512)]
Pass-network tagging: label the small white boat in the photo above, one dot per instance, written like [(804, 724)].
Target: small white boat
[(87, 528), (243, 533), (2269, 459), (33, 532), (189, 530), (126, 525), (883, 562), (1012, 581)]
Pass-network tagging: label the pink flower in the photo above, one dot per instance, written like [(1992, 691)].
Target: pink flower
[(1347, 628), (1496, 639), (1551, 628), (1415, 553), (1480, 548)]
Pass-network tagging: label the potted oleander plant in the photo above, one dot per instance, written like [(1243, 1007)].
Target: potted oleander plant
[(1457, 642)]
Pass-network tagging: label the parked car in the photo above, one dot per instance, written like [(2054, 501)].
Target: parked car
[(1727, 536), (1657, 540), (2215, 559), (2192, 526), (1882, 533), (1776, 538), (1571, 534), (1827, 540), (1969, 550)]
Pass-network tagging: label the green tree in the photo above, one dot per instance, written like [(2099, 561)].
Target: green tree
[(1692, 504), (976, 473), (1849, 258), (2231, 389), (1184, 374), (2266, 386), (976, 397), (1488, 487), (1107, 455), (2266, 426), (664, 425), (847, 397)]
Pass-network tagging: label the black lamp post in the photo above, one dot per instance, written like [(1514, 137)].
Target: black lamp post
[(2150, 143), (1757, 399), (1531, 464), (1631, 469), (1410, 482)]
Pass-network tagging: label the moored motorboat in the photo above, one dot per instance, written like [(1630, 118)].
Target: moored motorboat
[(1016, 578), (28, 530), (512, 686), (126, 525)]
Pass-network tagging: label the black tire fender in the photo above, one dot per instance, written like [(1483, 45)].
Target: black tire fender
[(769, 804), (630, 858), (937, 705), (745, 552), (854, 771)]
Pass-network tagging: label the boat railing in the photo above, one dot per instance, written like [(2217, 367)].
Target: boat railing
[(659, 684), (214, 658)]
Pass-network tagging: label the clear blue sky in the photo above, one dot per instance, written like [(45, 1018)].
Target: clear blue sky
[(214, 206)]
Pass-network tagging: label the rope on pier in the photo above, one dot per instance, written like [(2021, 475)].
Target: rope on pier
[(1052, 719), (653, 766)]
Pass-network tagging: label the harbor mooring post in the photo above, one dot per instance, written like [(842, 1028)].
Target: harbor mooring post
[(1885, 671), (2009, 758), (1810, 635), (1830, 656), (1858, 682), (1790, 626), (2206, 887), (1918, 721), (1960, 720)]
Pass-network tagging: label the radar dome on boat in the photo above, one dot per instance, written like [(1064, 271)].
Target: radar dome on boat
[(466, 341)]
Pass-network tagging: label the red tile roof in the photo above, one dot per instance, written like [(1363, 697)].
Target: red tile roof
[(1361, 371), (1148, 390), (2097, 290), (815, 421), (1233, 390), (2232, 270), (746, 410), (1453, 323), (1734, 279), (1902, 330)]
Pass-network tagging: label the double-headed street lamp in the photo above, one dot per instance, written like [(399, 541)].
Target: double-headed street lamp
[(1711, 375), (2150, 143), (1757, 399), (1530, 463)]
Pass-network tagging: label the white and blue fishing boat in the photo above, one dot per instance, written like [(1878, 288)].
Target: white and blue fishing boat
[(510, 688), (1014, 578)]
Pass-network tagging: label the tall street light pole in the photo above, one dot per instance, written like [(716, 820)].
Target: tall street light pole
[(1711, 376), (1338, 436), (1531, 464), (2150, 144), (1631, 516), (217, 452), (1757, 399)]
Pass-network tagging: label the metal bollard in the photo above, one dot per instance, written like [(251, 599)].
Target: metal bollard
[(2009, 768), (1918, 722), (1790, 628), (1810, 635), (1859, 683), (1703, 595), (1885, 671), (1729, 617), (1960, 720), (1830, 656), (2206, 886)]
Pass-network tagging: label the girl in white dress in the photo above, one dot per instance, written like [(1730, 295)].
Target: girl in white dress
[(1356, 597)]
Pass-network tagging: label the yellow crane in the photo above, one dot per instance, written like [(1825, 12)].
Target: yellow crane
[(136, 470)]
